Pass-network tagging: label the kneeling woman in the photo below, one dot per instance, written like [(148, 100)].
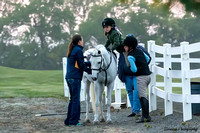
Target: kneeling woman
[(139, 66), (75, 68)]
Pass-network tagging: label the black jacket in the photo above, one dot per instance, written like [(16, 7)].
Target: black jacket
[(141, 63)]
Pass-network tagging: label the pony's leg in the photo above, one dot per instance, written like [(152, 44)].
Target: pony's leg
[(87, 90), (97, 87), (101, 116), (109, 96)]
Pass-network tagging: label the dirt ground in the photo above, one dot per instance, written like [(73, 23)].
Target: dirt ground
[(17, 115)]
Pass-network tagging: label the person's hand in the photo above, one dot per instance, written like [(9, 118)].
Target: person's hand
[(108, 49), (88, 64), (89, 71)]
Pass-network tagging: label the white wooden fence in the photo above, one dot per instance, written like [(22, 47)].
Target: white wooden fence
[(185, 74)]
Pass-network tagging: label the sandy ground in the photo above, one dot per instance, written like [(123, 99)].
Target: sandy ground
[(17, 115)]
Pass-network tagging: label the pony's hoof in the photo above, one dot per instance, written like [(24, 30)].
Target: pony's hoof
[(87, 121), (102, 120), (95, 122), (109, 122)]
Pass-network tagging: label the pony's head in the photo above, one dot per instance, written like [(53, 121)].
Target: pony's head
[(87, 54), (97, 61)]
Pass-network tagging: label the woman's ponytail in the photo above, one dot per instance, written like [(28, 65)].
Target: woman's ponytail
[(69, 49), (75, 40)]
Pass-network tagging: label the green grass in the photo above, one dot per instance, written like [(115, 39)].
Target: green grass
[(30, 83), (176, 90), (34, 84)]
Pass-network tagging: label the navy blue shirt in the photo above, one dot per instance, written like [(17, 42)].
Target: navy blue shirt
[(76, 64)]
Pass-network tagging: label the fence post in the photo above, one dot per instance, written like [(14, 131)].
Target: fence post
[(167, 80), (152, 97), (185, 67), (117, 91), (66, 90)]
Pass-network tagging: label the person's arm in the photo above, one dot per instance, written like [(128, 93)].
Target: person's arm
[(116, 41), (133, 67), (107, 43), (81, 64), (147, 57)]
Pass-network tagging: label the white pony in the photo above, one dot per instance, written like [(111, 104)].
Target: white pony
[(104, 72)]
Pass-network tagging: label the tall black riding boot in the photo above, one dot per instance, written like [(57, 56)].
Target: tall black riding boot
[(145, 111)]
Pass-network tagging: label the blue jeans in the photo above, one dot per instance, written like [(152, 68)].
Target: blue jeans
[(73, 114), (131, 83)]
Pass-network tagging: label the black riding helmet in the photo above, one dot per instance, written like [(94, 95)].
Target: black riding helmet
[(130, 41), (108, 22)]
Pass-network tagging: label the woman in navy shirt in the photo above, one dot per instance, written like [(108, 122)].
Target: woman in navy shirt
[(75, 68)]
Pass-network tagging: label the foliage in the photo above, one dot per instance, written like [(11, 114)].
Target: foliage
[(50, 25), (47, 21), (93, 27)]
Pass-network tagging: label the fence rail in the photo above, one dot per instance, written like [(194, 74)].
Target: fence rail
[(185, 74)]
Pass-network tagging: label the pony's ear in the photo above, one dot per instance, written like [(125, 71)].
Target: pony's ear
[(99, 52)]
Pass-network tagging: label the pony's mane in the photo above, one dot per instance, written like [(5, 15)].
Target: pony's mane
[(88, 52), (94, 51), (101, 48)]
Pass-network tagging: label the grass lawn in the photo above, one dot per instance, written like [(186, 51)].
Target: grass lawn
[(34, 84), (176, 90), (30, 83)]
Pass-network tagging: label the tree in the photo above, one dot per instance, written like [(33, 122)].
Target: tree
[(12, 57), (165, 28), (49, 23), (93, 27)]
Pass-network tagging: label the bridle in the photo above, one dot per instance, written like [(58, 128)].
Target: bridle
[(101, 69)]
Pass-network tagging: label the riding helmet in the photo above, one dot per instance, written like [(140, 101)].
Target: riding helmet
[(130, 41), (108, 22)]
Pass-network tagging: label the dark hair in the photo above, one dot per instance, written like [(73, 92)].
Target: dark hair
[(130, 41), (75, 39)]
